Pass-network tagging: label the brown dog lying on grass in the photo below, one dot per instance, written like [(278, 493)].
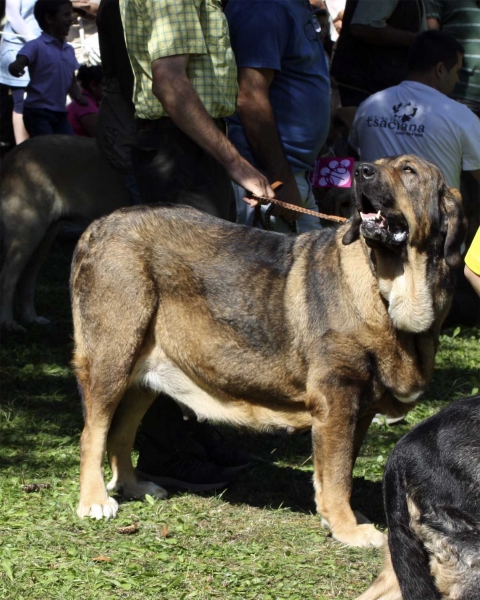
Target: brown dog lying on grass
[(256, 328)]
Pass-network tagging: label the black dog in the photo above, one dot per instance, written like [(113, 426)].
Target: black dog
[(432, 500)]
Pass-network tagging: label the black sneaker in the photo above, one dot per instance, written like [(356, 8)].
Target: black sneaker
[(186, 472)]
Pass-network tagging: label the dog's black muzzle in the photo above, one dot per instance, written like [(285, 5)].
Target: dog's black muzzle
[(365, 172)]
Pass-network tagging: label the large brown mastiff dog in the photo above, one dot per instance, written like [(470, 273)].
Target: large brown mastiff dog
[(257, 328)]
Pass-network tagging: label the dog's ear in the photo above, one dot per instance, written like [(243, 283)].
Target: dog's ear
[(354, 232), (454, 225)]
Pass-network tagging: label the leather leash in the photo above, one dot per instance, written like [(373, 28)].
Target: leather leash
[(300, 209)]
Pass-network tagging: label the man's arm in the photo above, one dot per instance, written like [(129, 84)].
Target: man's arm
[(178, 96), (369, 24), (85, 8), (258, 122), (17, 22), (473, 279), (383, 36)]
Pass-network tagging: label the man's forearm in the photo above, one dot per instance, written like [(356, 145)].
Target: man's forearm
[(260, 128), (383, 36), (178, 96), (184, 107), (473, 278)]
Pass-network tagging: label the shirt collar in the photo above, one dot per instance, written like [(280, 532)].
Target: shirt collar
[(48, 39)]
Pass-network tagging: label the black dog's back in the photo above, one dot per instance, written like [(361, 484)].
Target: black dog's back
[(432, 501)]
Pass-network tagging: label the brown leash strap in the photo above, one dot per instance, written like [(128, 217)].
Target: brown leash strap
[(306, 211)]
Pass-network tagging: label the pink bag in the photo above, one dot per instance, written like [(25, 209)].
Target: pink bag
[(333, 172)]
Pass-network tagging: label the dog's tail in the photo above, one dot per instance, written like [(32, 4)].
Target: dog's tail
[(386, 586)]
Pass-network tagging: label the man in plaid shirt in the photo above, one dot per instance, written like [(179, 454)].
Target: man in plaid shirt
[(185, 83)]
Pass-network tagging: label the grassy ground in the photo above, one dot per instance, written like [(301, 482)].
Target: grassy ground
[(260, 539)]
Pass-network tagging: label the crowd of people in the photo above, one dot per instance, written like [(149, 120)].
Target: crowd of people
[(194, 96)]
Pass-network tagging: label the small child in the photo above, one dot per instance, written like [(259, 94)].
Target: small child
[(83, 119), (51, 63)]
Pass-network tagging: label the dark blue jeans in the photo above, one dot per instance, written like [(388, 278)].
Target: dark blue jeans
[(42, 121)]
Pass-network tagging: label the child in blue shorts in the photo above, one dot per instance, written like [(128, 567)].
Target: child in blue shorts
[(51, 63)]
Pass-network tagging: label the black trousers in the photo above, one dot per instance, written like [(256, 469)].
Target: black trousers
[(171, 167)]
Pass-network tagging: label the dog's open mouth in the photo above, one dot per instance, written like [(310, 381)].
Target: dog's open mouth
[(376, 227)]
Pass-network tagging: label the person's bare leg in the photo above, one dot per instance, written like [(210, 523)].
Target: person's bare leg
[(19, 130)]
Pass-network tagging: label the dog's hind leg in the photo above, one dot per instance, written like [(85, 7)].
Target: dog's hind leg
[(26, 285), (334, 425), (17, 253), (121, 437), (112, 308), (409, 556), (94, 499)]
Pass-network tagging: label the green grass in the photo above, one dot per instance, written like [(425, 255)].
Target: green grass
[(260, 539)]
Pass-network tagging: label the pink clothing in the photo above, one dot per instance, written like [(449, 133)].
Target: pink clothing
[(76, 112)]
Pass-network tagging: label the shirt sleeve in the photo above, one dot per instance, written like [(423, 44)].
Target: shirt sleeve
[(433, 9), (30, 50), (173, 27), (259, 33), (471, 144), (374, 13)]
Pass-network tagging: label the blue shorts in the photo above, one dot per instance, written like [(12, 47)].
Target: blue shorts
[(18, 95), (42, 121)]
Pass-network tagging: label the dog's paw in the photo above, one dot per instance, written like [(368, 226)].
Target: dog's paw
[(137, 489), (106, 510), (362, 536)]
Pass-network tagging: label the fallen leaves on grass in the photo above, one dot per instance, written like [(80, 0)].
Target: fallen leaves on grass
[(35, 487), (102, 558), (128, 530)]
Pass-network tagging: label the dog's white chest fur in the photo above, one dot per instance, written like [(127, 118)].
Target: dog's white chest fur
[(158, 373)]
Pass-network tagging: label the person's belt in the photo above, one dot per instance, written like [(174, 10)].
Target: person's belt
[(167, 123)]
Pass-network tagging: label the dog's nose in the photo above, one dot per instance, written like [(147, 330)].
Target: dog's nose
[(365, 171)]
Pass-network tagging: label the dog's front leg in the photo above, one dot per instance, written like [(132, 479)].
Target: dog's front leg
[(334, 449)]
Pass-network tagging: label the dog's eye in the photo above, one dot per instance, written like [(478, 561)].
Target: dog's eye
[(408, 169)]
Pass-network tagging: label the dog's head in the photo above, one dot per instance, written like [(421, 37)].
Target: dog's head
[(414, 225)]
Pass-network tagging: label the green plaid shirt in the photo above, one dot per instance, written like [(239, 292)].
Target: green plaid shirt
[(159, 28)]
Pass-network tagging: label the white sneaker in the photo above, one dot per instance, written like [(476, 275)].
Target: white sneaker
[(382, 419)]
